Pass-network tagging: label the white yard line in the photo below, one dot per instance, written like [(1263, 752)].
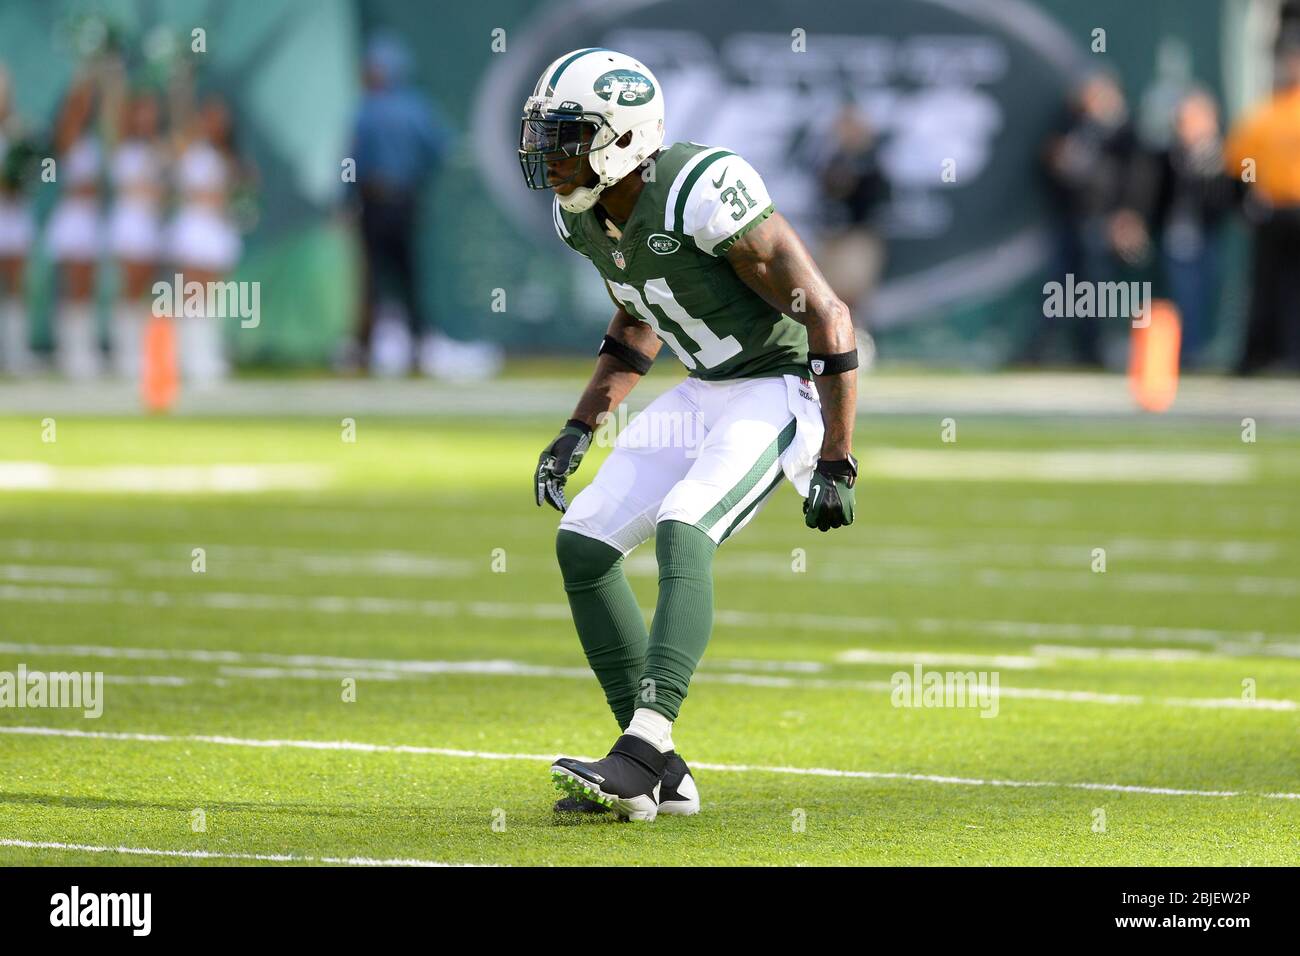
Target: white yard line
[(865, 569), (208, 855), (55, 574), (1011, 662), (353, 746), (164, 479), (313, 667), (1088, 398), (887, 541), (1242, 642), (1102, 465)]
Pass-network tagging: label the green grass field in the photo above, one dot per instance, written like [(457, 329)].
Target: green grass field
[(1125, 695)]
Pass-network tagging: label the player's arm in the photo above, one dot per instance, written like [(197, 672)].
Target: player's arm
[(771, 260), (628, 349)]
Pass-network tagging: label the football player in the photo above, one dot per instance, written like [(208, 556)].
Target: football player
[(695, 257)]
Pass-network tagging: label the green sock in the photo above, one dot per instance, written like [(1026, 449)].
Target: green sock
[(607, 617), (683, 615)]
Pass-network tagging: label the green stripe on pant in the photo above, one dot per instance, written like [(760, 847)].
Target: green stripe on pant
[(753, 504), (752, 477)]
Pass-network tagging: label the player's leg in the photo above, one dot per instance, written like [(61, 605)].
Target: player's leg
[(609, 518), (738, 469), (749, 425)]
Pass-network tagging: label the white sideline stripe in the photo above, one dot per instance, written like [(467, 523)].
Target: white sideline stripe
[(348, 745), (55, 574), (1142, 582), (311, 667), (1139, 467), (894, 543), (1165, 655), (1043, 655), (234, 557), (1283, 644), (153, 680), (168, 479), (926, 573), (341, 664), (209, 855), (865, 655)]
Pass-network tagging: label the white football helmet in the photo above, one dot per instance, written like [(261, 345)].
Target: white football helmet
[(584, 103)]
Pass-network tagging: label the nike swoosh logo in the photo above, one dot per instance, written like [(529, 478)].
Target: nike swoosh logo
[(816, 492), (717, 183)]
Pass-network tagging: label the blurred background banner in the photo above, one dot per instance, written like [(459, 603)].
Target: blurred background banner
[(956, 99), (974, 85)]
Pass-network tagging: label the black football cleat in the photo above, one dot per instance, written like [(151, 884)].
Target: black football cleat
[(626, 781), (678, 795), (579, 805)]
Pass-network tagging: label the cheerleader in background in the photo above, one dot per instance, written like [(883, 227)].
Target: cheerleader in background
[(15, 238), (135, 225), (202, 240), (75, 233)]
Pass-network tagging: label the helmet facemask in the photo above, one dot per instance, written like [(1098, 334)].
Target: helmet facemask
[(547, 137)]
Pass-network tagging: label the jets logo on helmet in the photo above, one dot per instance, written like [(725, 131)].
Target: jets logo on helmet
[(599, 106), (630, 87)]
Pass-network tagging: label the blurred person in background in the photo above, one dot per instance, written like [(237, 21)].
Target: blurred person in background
[(399, 140), (136, 169), (853, 190), (202, 239), (16, 231), (1268, 140), (1088, 165), (1179, 197), (74, 233)]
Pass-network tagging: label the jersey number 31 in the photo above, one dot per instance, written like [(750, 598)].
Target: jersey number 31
[(712, 351)]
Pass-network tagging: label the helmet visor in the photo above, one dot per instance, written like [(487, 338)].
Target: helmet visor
[(547, 140)]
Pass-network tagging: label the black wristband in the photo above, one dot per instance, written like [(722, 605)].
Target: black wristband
[(625, 354), (582, 426), (823, 364)]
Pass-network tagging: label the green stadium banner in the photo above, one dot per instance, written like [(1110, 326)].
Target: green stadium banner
[(975, 82)]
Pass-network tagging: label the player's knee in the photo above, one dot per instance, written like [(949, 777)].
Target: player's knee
[(683, 550), (584, 560)]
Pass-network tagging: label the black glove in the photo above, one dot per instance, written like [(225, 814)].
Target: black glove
[(830, 494), (561, 459)]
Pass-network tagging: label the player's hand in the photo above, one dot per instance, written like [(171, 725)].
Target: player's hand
[(830, 494), (561, 459)]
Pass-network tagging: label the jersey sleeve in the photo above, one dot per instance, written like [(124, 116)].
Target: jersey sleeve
[(725, 199), (562, 228)]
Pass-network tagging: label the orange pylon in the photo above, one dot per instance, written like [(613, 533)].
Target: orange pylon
[(159, 382), (1153, 359)]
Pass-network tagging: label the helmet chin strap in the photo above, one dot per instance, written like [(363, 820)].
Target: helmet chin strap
[(584, 197), (581, 199)]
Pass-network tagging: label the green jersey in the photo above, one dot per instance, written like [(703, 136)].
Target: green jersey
[(667, 266)]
